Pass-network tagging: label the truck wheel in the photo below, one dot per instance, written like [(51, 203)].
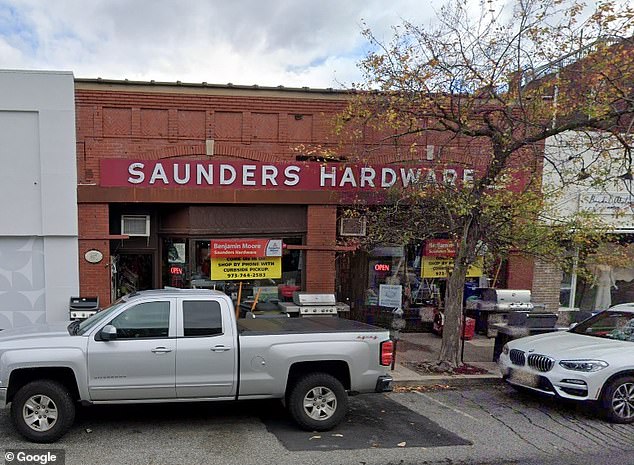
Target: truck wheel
[(318, 402), (617, 400), (43, 411)]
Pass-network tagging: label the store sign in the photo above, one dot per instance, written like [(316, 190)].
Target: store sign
[(225, 248), (439, 248), (382, 267), (280, 176), (390, 295), (606, 203), (246, 268), (441, 267)]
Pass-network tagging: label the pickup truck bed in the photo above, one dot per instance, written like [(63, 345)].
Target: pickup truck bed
[(305, 325)]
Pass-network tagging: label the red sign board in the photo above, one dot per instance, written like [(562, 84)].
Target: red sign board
[(279, 176), (241, 248), (439, 248)]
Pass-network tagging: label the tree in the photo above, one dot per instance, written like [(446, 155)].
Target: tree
[(495, 87)]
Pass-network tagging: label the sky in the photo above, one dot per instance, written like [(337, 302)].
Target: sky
[(294, 43)]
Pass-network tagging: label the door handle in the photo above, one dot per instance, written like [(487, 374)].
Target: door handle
[(161, 350), (220, 348)]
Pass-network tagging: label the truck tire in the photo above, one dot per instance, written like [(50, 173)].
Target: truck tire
[(617, 400), (43, 411), (318, 402)]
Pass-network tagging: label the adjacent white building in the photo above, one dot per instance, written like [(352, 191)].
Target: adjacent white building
[(598, 181), (38, 200)]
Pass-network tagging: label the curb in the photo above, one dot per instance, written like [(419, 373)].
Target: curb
[(451, 381)]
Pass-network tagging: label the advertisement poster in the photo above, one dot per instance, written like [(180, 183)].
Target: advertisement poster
[(245, 268), (228, 248), (440, 268)]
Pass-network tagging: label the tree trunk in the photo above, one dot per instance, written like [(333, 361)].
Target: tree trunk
[(465, 251)]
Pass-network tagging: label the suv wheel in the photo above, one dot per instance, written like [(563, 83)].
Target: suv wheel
[(318, 402), (43, 411), (618, 400)]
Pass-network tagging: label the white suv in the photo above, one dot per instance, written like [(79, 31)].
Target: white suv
[(592, 361)]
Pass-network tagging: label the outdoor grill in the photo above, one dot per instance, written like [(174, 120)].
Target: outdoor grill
[(311, 304), (501, 300)]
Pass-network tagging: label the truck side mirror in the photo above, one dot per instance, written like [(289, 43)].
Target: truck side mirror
[(108, 333)]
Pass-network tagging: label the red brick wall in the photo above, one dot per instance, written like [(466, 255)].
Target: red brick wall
[(520, 272), (94, 278), (320, 264)]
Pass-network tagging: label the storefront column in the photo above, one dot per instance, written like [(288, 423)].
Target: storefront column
[(94, 235), (322, 234), (520, 272)]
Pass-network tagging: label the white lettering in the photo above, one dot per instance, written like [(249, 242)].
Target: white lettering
[(179, 180), (323, 176), (224, 169), (449, 176), (292, 175), (468, 176), (207, 173), (248, 175), (269, 173), (348, 178), (367, 176), (159, 173), (384, 181), (132, 171), (431, 177), (410, 177)]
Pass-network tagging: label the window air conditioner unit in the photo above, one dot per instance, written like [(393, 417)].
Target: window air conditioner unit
[(352, 226), (135, 225)]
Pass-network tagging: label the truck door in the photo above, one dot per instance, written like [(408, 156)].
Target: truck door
[(205, 348), (140, 362)]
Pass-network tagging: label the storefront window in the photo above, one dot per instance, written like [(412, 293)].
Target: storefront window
[(175, 263), (605, 286), (187, 264), (401, 266)]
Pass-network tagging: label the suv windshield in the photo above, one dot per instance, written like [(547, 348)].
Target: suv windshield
[(90, 323), (608, 324)]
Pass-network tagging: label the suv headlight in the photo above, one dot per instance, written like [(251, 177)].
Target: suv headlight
[(583, 365), (505, 349)]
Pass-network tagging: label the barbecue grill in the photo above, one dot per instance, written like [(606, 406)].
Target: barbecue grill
[(312, 304)]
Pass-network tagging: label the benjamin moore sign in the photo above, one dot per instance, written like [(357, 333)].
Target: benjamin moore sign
[(229, 269), (432, 267), (279, 176)]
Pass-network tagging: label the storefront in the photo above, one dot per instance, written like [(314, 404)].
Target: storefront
[(166, 171)]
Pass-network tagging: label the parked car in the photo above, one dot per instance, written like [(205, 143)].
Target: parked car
[(186, 345), (593, 361)]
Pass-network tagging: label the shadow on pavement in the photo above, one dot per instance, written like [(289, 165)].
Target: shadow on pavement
[(375, 421)]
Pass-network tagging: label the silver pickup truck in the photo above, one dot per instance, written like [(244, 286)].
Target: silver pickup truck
[(186, 345)]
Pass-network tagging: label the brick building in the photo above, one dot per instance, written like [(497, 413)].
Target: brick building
[(163, 169)]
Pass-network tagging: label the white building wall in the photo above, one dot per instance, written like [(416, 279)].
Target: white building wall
[(38, 200)]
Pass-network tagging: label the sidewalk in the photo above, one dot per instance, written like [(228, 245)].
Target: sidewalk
[(420, 347)]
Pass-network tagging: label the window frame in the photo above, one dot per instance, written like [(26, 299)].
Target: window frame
[(226, 307), (182, 313), (137, 304)]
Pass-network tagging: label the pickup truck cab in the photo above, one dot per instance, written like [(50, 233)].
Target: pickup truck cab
[(186, 345)]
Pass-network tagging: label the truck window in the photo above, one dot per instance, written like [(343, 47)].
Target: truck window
[(145, 320), (201, 318)]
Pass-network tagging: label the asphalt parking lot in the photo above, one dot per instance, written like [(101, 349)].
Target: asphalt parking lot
[(467, 426)]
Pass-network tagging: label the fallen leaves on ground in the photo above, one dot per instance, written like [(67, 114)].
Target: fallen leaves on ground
[(432, 368)]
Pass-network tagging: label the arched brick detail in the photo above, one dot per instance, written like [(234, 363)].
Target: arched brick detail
[(183, 150), (221, 149)]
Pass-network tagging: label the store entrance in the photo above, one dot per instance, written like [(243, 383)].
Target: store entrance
[(132, 272)]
